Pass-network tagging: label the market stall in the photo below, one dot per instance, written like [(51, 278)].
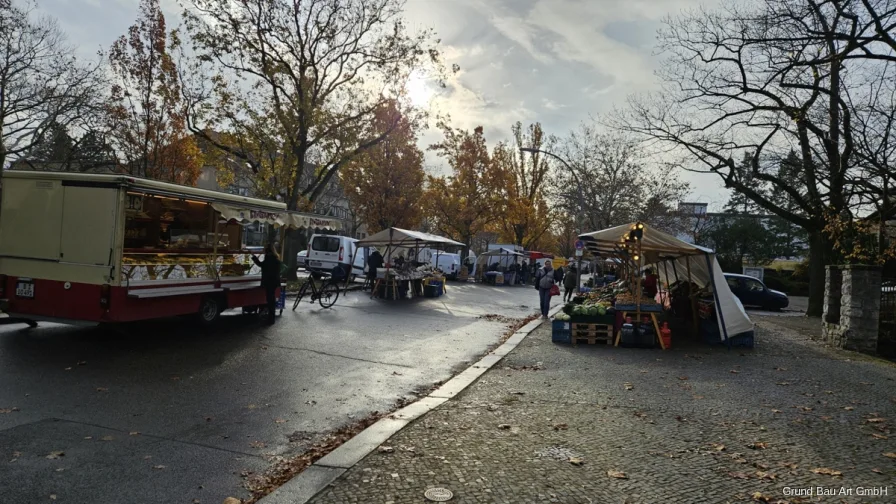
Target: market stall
[(688, 277), (402, 273), (499, 266)]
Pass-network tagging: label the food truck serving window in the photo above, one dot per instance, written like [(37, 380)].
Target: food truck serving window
[(171, 224)]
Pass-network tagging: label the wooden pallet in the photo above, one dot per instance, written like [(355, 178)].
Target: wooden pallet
[(591, 333)]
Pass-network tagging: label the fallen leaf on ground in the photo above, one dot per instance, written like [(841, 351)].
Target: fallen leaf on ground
[(518, 393), (876, 420), (231, 500), (640, 414), (196, 501), (107, 438), (386, 449), (628, 386), (827, 471), (766, 475), (682, 378), (617, 474), (251, 406), (82, 363), (776, 411), (734, 371), (718, 447), (396, 373), (55, 455), (158, 467), (780, 369), (879, 436), (88, 437), (789, 465), (68, 369), (848, 408), (102, 389), (760, 497), (890, 455), (257, 444), (175, 378), (560, 426), (758, 446), (133, 433), (8, 410), (783, 383), (52, 496), (876, 470), (279, 420), (739, 475)]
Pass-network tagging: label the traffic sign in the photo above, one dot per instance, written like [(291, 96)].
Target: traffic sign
[(580, 245), (579, 252)]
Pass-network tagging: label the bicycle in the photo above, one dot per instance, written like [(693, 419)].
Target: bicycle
[(326, 295)]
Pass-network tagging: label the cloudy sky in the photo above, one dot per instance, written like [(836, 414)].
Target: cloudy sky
[(554, 61)]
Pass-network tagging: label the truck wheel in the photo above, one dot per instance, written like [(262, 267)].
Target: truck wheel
[(209, 310)]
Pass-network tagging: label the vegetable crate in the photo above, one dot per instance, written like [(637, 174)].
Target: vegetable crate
[(560, 331), (591, 333)]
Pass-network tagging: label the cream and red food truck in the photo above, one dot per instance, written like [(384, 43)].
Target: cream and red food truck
[(86, 248)]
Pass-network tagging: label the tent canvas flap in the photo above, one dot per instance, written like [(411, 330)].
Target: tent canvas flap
[(398, 237)]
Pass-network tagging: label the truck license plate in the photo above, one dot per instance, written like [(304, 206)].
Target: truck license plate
[(316, 263), (25, 289)]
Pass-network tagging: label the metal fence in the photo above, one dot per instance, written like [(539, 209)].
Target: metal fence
[(886, 340)]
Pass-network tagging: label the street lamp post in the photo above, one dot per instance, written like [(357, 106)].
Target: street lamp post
[(581, 198)]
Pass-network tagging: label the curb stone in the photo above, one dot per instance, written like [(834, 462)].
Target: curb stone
[(318, 476)]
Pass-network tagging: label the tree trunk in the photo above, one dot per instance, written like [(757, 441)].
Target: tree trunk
[(820, 250)]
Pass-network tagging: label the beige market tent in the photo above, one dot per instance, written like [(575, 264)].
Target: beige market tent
[(397, 237), (686, 260)]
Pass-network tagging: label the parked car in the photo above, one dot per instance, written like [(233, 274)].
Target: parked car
[(326, 251), (752, 292), (301, 258)]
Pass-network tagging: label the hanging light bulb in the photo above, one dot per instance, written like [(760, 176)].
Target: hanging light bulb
[(640, 226), (637, 257)]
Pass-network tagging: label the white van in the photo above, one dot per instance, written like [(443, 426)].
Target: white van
[(326, 251), (447, 262)]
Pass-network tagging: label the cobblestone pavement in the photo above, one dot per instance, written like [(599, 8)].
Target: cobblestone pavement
[(691, 425)]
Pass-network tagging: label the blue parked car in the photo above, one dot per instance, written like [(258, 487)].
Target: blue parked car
[(752, 292)]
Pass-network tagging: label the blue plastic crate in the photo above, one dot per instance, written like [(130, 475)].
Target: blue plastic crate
[(560, 332)]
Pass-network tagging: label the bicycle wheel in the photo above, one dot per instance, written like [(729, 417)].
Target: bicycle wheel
[(302, 292), (328, 294)]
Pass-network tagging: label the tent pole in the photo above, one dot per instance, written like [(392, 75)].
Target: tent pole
[(715, 295), (668, 283), (691, 298)]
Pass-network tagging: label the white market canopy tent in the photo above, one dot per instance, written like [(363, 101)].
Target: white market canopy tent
[(397, 237), (699, 262)]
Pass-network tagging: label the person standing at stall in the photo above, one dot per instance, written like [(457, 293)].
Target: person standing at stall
[(524, 272), (651, 282), (374, 262), (270, 278), (569, 282), (544, 281)]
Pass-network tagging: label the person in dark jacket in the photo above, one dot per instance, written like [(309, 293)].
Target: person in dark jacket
[(569, 283), (374, 262), (270, 278)]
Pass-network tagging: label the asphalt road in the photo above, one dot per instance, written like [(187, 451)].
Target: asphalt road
[(168, 412)]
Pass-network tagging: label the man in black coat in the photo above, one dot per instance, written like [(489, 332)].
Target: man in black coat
[(374, 262), (270, 278)]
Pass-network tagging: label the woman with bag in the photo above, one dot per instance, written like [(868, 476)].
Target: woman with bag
[(544, 282)]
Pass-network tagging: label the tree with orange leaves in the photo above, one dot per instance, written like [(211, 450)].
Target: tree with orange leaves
[(464, 203), (525, 217), (146, 113), (384, 183)]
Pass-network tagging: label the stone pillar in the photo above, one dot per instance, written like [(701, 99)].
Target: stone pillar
[(833, 287), (860, 308)]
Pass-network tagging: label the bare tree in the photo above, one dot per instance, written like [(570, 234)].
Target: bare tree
[(607, 181), (42, 84), (763, 79)]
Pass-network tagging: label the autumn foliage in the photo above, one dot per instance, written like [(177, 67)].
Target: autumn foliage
[(146, 115), (385, 183)]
